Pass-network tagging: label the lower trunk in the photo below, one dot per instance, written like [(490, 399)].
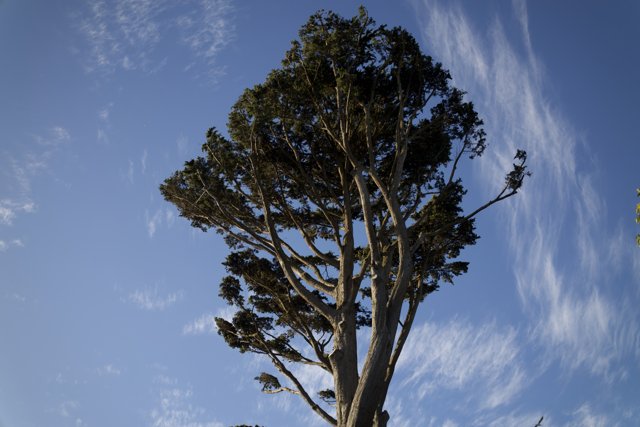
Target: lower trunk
[(366, 408), (344, 361)]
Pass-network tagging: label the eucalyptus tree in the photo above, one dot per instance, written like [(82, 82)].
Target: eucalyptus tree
[(338, 193)]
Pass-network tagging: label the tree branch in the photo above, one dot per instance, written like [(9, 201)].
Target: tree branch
[(301, 391), (283, 259)]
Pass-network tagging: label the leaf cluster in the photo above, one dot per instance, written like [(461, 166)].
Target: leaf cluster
[(273, 314)]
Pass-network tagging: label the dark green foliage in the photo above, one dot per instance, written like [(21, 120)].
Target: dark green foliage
[(274, 312), (269, 382), (328, 396)]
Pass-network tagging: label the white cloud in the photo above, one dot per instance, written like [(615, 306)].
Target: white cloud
[(126, 34), (561, 283), (22, 168), (159, 217), (102, 136), (143, 161), (150, 300), (461, 356), (313, 378), (513, 420), (104, 113), (9, 209), (584, 417), (109, 370), (153, 222), (208, 39), (56, 135), (60, 134), (67, 408), (207, 33), (14, 296), (6, 215), (17, 243), (206, 323), (165, 380), (176, 410)]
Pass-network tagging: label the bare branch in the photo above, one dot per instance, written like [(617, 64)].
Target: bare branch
[(422, 237), (281, 389), (301, 390)]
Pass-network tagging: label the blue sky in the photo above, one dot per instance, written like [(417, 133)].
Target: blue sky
[(107, 296)]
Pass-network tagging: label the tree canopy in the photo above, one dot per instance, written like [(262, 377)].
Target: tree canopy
[(338, 193)]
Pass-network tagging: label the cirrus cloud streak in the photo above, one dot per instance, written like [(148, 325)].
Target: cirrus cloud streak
[(557, 224)]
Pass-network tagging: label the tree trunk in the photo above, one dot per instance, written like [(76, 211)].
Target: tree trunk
[(344, 362), (381, 419), (367, 399)]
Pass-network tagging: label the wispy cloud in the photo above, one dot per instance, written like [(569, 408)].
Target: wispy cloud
[(159, 217), (175, 407), (513, 420), (104, 115), (69, 409), (34, 159), (143, 161), (15, 243), (207, 32), (19, 170), (153, 221), (150, 299), (16, 297), (127, 34), (120, 33), (109, 370), (562, 283), (585, 417), (206, 323), (10, 209), (59, 135), (314, 380), (461, 356), (102, 136)]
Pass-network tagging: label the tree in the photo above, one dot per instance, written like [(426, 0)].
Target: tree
[(337, 192)]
